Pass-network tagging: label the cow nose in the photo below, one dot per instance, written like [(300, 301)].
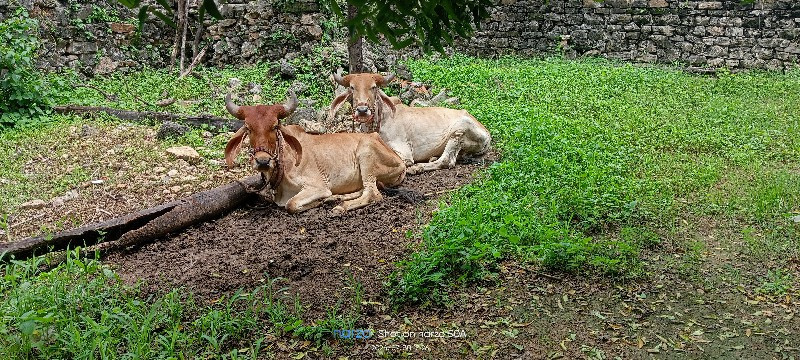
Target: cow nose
[(262, 163), (362, 109)]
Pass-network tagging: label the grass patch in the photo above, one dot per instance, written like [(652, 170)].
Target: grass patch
[(590, 147), (81, 309)]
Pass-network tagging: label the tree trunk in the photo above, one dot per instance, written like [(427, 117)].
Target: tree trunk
[(195, 120), (142, 226), (355, 45)]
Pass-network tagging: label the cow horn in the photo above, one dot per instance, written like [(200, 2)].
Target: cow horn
[(339, 79), (388, 78), (232, 108), (291, 103)]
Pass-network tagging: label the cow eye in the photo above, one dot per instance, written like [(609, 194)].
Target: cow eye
[(373, 87)]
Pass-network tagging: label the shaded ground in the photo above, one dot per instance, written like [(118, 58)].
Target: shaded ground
[(315, 251)]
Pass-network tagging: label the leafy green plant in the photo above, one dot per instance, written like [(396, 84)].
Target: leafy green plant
[(24, 95), (81, 309), (777, 282)]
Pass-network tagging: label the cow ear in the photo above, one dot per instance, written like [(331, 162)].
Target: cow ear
[(338, 102), (387, 101), (234, 146), (295, 145)]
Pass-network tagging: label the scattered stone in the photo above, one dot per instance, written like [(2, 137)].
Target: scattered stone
[(402, 72), (96, 182), (441, 96), (207, 134), (5, 181), (287, 70), (234, 83), (87, 130), (122, 28), (452, 101), (298, 87), (159, 169), (186, 153), (254, 88), (33, 204), (303, 113), (312, 127), (176, 188), (172, 173), (171, 129), (105, 66), (796, 218)]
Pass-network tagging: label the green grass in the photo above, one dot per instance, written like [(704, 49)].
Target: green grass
[(590, 147), (600, 163), (81, 309)]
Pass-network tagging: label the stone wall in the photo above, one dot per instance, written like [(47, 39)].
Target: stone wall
[(761, 34), (99, 37)]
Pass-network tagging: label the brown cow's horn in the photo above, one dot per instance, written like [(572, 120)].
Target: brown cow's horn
[(232, 108), (291, 104), (387, 79), (339, 79)]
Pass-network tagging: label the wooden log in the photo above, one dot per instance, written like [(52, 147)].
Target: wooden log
[(142, 226), (194, 120)]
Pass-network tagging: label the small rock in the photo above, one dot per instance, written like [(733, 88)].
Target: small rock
[(287, 70), (452, 101), (58, 202), (186, 153), (254, 88), (298, 87), (207, 134), (312, 127), (5, 181), (441, 96), (172, 173), (402, 72), (33, 204), (796, 218), (234, 83), (176, 188), (171, 129), (96, 182), (166, 191), (159, 169), (87, 131)]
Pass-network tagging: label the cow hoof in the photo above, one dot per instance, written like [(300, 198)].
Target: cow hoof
[(339, 210), (413, 170)]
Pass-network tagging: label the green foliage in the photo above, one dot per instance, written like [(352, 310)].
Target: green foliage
[(776, 283), (23, 93), (81, 309), (428, 24), (597, 156)]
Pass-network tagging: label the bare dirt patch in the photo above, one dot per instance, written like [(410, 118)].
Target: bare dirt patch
[(315, 251)]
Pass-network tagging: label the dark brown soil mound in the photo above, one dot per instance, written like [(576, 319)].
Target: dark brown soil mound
[(315, 251)]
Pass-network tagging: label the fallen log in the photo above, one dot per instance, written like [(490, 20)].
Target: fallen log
[(194, 120), (142, 226)]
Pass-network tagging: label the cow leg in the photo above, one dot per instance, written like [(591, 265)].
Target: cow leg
[(369, 195), (446, 161), (306, 199), (343, 197)]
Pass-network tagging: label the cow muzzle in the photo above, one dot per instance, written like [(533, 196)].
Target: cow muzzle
[(262, 164), (363, 113)]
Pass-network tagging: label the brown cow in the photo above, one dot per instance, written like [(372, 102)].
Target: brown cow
[(425, 138), (305, 170)]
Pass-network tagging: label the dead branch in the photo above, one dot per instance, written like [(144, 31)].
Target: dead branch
[(194, 63), (140, 227), (194, 120)]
